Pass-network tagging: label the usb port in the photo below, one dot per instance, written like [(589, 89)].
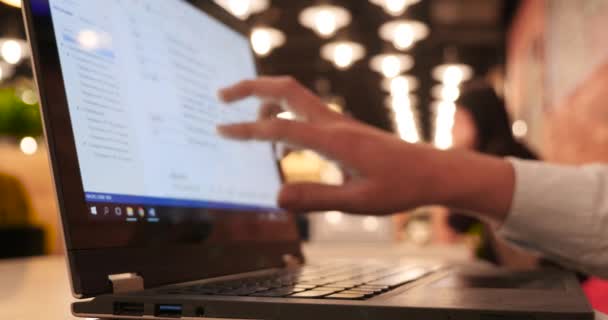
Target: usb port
[(168, 310), (128, 309)]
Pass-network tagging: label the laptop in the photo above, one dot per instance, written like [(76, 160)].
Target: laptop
[(164, 219)]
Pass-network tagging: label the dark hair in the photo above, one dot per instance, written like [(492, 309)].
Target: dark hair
[(494, 135)]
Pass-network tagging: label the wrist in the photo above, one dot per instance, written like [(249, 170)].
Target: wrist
[(474, 183)]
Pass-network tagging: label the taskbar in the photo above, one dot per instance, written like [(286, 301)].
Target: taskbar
[(174, 202), (132, 209), (123, 212)]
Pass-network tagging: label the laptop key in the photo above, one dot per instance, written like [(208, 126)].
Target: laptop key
[(400, 279), (311, 294), (366, 293), (332, 287), (293, 289), (368, 278), (281, 292), (346, 296), (347, 283), (373, 287), (305, 285)]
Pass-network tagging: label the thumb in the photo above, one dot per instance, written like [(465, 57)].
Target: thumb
[(307, 197)]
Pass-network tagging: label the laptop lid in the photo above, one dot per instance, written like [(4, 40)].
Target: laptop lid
[(144, 183)]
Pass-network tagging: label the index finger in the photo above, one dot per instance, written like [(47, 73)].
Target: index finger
[(285, 91), (300, 134)]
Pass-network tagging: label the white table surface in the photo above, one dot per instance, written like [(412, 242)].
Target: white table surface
[(38, 288)]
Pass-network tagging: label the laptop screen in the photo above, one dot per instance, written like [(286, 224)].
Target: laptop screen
[(141, 81)]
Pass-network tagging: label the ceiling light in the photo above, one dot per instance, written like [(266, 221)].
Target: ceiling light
[(391, 65), (404, 117), (343, 54), (394, 7), (266, 39), (13, 3), (244, 8), (444, 121), (394, 101), (12, 50), (289, 115), (399, 85), (403, 33), (444, 92), (520, 129), (325, 20), (452, 74), (28, 145)]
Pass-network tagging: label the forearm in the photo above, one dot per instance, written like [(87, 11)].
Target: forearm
[(472, 182), (559, 211)]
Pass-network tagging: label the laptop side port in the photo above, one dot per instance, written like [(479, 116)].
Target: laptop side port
[(128, 309), (168, 310)]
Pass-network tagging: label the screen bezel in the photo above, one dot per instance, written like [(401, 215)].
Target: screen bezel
[(92, 255)]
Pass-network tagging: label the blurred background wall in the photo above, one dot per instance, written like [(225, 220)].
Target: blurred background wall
[(558, 75)]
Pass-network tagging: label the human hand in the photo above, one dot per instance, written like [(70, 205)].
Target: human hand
[(385, 172)]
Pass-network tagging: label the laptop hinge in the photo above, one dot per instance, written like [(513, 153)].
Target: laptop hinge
[(126, 282)]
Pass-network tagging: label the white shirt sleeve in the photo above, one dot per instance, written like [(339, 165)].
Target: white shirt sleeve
[(561, 212)]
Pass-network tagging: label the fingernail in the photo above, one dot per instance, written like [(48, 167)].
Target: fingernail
[(222, 95)]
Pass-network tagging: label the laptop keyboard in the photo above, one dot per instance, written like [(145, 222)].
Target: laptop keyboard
[(350, 282)]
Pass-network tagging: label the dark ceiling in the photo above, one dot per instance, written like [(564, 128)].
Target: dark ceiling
[(474, 28)]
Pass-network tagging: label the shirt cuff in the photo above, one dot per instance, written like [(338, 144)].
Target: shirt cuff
[(552, 211)]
